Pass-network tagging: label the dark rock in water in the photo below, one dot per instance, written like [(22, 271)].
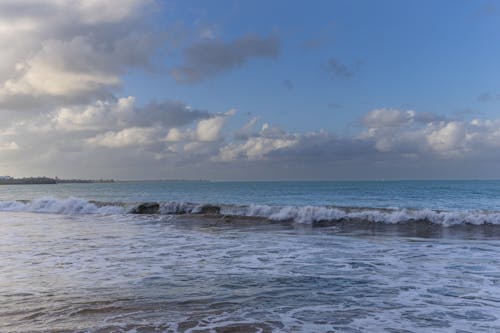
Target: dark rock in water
[(209, 209), (147, 208)]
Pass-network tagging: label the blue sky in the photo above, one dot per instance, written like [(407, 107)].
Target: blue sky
[(244, 90), (431, 56)]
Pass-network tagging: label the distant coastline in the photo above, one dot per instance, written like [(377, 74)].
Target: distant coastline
[(165, 181), (46, 180)]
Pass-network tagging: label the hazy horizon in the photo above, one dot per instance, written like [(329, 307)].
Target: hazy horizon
[(277, 180)]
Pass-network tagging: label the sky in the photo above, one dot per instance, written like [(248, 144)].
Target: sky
[(250, 90)]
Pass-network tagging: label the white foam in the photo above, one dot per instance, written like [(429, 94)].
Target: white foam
[(298, 214), (311, 214), (179, 208), (59, 206)]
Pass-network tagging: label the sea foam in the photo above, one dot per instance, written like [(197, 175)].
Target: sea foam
[(60, 206), (297, 214)]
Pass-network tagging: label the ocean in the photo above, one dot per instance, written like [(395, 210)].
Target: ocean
[(365, 256)]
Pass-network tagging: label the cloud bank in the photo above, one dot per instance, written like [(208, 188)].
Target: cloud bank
[(171, 137)]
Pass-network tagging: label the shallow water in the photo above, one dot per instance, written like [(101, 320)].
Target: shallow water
[(163, 273)]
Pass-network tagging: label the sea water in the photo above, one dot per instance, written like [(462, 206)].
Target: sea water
[(272, 257)]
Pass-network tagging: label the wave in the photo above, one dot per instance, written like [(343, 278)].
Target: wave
[(62, 206), (298, 214)]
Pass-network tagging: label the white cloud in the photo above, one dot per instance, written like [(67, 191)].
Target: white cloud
[(388, 118), (254, 148), (174, 135), (50, 71), (209, 129), (446, 137), (69, 50), (102, 114), (129, 137), (410, 132), (192, 147), (247, 129), (120, 135), (6, 146)]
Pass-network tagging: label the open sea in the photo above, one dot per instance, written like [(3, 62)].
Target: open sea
[(381, 256)]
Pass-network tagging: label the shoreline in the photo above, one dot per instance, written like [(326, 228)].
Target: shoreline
[(51, 181)]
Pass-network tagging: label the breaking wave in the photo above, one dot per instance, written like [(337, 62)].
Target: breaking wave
[(297, 214), (62, 206)]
